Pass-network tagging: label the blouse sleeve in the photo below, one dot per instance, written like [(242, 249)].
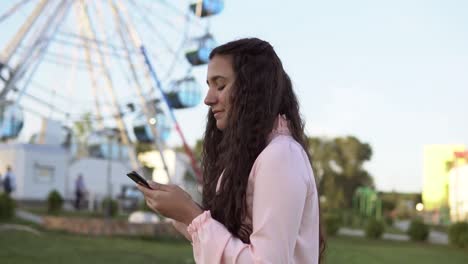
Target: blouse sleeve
[(182, 229), (279, 194)]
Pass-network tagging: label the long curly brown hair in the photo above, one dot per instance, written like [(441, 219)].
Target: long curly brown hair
[(261, 90)]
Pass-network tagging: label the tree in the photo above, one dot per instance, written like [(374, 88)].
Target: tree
[(197, 150), (81, 130), (338, 166), (142, 147)]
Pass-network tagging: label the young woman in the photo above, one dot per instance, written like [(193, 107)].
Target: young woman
[(260, 201)]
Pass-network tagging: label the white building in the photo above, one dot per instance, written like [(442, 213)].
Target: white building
[(39, 169)]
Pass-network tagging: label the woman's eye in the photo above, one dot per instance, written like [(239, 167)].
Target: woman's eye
[(221, 88)]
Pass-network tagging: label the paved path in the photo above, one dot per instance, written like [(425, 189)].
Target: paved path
[(29, 217), (435, 237), (360, 233)]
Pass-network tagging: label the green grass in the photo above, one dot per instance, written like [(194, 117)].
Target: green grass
[(359, 250), (53, 247), (50, 248), (19, 221)]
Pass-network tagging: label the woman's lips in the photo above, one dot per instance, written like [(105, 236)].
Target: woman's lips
[(218, 114)]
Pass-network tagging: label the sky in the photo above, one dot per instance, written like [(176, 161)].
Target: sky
[(392, 73)]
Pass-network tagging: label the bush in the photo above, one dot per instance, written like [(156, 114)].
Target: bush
[(110, 207), (332, 224), (458, 234), (389, 221), (358, 222), (7, 207), (349, 218), (374, 229), (54, 202), (418, 231)]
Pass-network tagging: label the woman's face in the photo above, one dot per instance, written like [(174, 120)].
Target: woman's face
[(220, 79)]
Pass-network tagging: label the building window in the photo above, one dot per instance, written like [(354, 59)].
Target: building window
[(43, 173)]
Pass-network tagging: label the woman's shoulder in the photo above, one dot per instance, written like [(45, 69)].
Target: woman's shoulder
[(281, 146), (285, 152), (283, 158)]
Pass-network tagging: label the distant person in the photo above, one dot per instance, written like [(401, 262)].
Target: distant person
[(9, 184), (80, 191), (260, 201)]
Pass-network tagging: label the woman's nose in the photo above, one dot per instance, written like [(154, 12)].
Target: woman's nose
[(210, 98)]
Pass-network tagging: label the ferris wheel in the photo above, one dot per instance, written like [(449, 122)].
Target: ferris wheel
[(126, 65)]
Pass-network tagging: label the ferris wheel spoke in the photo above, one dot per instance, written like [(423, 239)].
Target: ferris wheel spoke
[(157, 38), (36, 59), (39, 46), (157, 35), (109, 52), (12, 10), (70, 59), (62, 59), (71, 84), (11, 47), (43, 89), (127, 20), (103, 43), (40, 101), (173, 49)]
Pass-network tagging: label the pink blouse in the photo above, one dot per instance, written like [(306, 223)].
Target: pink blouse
[(282, 209)]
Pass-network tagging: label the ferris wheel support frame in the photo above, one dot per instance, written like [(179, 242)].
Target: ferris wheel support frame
[(87, 31), (147, 111), (110, 89)]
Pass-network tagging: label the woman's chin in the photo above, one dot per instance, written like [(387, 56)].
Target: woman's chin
[(220, 124)]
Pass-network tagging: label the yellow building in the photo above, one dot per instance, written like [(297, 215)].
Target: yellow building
[(436, 174)]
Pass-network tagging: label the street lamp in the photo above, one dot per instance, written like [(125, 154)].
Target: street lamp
[(110, 134), (419, 207)]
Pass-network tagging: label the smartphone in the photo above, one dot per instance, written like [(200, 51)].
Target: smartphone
[(138, 179)]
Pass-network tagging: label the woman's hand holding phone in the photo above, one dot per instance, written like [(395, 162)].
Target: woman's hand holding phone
[(138, 179), (170, 201)]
